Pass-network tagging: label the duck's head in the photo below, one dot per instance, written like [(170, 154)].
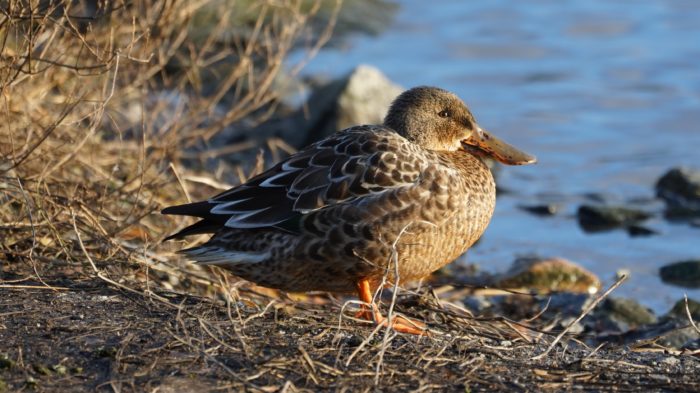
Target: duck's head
[(438, 120)]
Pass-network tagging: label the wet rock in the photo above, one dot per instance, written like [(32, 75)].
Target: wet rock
[(636, 230), (623, 314), (476, 303), (361, 97), (683, 273), (593, 218), (569, 304), (547, 275), (681, 336), (692, 345), (548, 209), (576, 328), (678, 310), (680, 189), (668, 332)]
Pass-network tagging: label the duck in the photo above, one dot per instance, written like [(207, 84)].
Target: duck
[(366, 207)]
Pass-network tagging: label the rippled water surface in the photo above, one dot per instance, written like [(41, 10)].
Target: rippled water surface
[(605, 93)]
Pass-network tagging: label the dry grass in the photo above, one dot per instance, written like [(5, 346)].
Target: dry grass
[(102, 101)]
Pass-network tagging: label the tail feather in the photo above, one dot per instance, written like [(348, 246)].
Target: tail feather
[(210, 223)]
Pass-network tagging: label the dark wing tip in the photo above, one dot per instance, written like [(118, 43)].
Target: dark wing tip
[(196, 209), (203, 226), (209, 224)]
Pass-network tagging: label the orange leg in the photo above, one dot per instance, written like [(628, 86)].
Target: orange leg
[(401, 325)]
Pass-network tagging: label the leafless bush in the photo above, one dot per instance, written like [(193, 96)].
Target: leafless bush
[(98, 100)]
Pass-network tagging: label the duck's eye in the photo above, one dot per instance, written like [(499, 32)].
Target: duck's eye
[(444, 113)]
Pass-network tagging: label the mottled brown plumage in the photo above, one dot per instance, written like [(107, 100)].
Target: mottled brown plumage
[(413, 190)]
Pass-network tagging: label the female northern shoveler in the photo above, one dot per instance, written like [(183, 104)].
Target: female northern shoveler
[(396, 201)]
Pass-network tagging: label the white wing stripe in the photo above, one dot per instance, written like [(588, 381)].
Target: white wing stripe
[(220, 257), (226, 207), (269, 180)]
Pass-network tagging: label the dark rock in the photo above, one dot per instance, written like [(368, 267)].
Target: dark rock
[(681, 336), (692, 345), (680, 189), (684, 273), (668, 332), (678, 310), (6, 362), (601, 218), (565, 303), (636, 230), (548, 209), (477, 303), (623, 314)]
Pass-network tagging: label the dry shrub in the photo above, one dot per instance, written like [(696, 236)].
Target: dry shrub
[(100, 99)]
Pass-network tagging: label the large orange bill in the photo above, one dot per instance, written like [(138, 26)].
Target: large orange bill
[(485, 144)]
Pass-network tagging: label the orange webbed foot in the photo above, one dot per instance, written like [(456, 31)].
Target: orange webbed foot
[(399, 324)]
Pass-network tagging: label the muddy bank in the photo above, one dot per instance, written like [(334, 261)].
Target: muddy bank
[(85, 335)]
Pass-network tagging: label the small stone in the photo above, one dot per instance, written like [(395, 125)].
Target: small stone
[(576, 328), (565, 303), (6, 362), (59, 369), (601, 218), (693, 345), (549, 209), (636, 230), (353, 341), (106, 352), (477, 303), (41, 369), (678, 310), (546, 275), (31, 381), (681, 337), (627, 313), (680, 189), (671, 361), (684, 273)]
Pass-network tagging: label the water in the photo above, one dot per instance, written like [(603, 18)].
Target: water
[(605, 93)]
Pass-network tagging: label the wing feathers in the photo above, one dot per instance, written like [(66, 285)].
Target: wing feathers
[(347, 166)]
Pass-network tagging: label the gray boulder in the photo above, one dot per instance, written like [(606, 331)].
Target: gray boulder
[(361, 97)]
